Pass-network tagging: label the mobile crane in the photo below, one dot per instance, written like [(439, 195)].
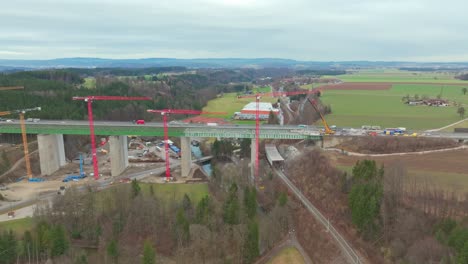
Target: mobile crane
[(76, 177), (328, 130)]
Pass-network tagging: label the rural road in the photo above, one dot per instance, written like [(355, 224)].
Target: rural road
[(447, 126), (345, 247), (27, 211)]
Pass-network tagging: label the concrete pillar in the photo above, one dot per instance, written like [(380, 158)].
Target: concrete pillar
[(186, 159), (51, 153), (118, 151), (253, 157)]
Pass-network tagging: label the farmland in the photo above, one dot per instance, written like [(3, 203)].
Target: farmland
[(355, 108), (386, 75), (446, 170)]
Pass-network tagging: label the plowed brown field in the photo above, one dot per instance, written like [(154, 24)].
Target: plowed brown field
[(448, 161), (357, 86), (375, 85)]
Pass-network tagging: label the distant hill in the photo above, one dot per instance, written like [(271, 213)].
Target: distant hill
[(6, 65)]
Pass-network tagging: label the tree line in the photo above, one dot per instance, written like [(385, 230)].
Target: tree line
[(53, 91)]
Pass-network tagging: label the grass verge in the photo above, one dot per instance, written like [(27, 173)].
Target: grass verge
[(287, 255), (17, 225), (168, 192)]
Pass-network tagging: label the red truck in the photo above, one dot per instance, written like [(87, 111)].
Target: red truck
[(139, 122)]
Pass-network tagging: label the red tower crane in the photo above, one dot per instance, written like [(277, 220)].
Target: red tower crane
[(89, 100), (257, 116), (164, 113)]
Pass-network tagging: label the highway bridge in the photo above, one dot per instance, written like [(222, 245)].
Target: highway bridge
[(179, 129), (51, 146), (115, 128)]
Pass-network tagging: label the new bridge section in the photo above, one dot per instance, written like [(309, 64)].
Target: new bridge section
[(82, 128), (50, 137), (110, 128)]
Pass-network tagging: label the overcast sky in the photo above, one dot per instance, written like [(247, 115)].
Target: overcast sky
[(325, 30)]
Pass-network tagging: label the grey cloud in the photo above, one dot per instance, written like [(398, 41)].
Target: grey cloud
[(298, 29)]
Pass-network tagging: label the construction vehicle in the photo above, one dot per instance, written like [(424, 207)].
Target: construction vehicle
[(76, 177), (328, 130), (165, 113), (25, 140)]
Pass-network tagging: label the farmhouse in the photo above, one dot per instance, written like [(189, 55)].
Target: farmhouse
[(429, 102), (436, 102), (415, 102)]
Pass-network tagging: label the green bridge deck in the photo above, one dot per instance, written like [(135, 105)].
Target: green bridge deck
[(120, 130)]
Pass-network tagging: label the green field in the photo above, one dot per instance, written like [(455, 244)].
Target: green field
[(463, 124), (388, 75), (287, 255), (262, 89), (230, 104), (18, 225), (447, 181), (385, 108), (90, 83), (167, 192)]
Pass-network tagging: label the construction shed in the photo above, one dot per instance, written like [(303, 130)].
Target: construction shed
[(249, 111), (274, 158)]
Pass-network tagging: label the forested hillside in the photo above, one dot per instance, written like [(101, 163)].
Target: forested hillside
[(53, 90)]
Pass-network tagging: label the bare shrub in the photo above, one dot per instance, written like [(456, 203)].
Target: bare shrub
[(381, 145)]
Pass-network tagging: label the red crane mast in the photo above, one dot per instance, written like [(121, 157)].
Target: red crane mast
[(257, 117), (165, 113), (89, 100)]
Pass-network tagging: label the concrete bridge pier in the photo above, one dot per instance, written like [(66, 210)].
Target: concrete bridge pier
[(118, 154), (51, 153), (253, 157), (186, 157)]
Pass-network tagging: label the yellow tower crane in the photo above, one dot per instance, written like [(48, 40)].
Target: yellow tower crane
[(23, 133)]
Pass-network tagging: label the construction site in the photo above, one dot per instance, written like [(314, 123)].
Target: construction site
[(50, 157)]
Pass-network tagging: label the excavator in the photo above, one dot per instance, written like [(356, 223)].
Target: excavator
[(25, 140), (328, 130)]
